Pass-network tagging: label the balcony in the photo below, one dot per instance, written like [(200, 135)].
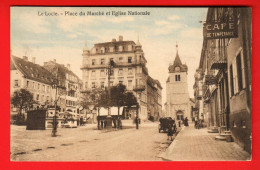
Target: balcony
[(219, 60), (86, 90), (72, 89), (139, 88), (117, 64), (210, 80)]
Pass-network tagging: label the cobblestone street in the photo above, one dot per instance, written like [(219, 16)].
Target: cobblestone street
[(198, 145), (88, 144)]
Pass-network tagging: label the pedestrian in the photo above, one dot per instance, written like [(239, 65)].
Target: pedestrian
[(170, 132), (137, 122), (186, 122), (119, 123), (196, 122), (102, 125)]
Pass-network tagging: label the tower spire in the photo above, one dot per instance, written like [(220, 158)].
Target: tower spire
[(176, 48), (177, 60)]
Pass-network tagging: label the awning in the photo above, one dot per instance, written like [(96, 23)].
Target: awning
[(114, 111)]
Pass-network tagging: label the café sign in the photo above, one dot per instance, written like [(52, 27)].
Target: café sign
[(224, 29)]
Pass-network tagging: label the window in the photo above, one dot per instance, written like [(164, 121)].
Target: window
[(27, 83), (234, 70), (102, 73), (129, 59), (37, 97), (86, 85), (93, 61), (120, 71), (93, 85), (177, 77), (120, 59), (231, 80), (130, 71), (43, 88), (39, 86), (48, 88), (102, 84), (47, 98), (111, 83), (102, 61), (121, 82), (16, 83), (93, 73), (33, 85), (42, 97), (130, 84), (239, 72)]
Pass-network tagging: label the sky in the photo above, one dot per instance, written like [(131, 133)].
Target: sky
[(60, 33)]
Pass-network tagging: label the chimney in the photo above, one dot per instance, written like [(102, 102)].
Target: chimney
[(33, 60), (120, 38), (25, 58), (113, 40), (68, 66)]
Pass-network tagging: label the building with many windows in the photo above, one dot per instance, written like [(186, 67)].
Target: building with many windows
[(154, 99), (68, 94), (177, 95), (129, 69), (223, 80), (34, 78)]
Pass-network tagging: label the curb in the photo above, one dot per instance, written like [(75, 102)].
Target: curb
[(169, 150)]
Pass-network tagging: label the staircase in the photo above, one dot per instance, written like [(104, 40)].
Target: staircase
[(213, 130), (224, 136)]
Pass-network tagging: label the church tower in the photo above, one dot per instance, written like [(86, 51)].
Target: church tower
[(177, 95)]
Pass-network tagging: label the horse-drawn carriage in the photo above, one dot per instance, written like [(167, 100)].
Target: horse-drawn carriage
[(166, 124)]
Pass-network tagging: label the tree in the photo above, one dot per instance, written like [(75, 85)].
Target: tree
[(118, 94), (96, 98), (22, 99), (99, 98), (130, 99)]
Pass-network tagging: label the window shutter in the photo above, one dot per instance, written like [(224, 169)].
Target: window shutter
[(243, 69)]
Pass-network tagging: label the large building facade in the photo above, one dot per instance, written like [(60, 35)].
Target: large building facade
[(27, 75), (130, 69), (223, 80), (68, 93), (177, 95)]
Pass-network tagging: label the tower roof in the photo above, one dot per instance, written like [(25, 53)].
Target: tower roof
[(177, 62)]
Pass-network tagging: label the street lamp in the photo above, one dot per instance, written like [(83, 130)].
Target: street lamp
[(109, 71), (55, 85)]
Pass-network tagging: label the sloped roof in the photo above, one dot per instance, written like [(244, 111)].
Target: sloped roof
[(54, 67), (177, 62), (115, 43), (31, 71), (152, 82)]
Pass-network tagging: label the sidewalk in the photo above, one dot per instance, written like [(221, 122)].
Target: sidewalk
[(198, 145)]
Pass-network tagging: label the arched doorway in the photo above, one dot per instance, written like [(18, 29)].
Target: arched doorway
[(179, 115)]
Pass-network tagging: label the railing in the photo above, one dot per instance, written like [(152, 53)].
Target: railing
[(139, 88), (117, 64)]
